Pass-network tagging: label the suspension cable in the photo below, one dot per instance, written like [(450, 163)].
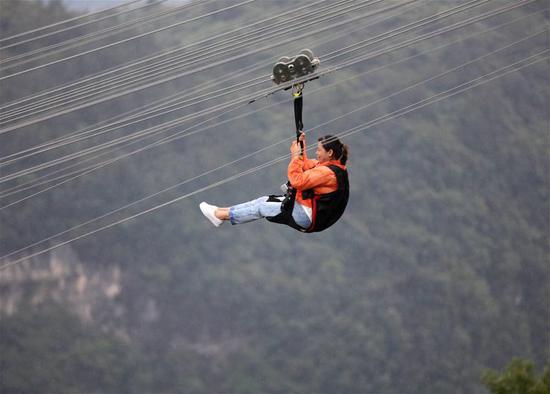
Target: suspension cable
[(68, 21), (189, 58), (171, 138), (26, 41), (438, 32), (123, 41), (184, 73), (501, 72)]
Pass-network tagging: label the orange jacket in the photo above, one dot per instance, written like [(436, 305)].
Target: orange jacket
[(304, 174)]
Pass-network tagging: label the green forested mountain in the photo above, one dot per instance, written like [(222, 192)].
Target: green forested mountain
[(438, 271)]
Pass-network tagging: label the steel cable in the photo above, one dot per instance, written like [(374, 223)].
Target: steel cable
[(430, 35), (501, 72)]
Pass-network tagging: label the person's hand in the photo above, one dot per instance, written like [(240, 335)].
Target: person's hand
[(295, 149)]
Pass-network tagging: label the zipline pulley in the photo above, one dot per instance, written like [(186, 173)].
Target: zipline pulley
[(287, 69)]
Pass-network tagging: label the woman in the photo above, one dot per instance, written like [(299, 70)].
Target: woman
[(321, 192)]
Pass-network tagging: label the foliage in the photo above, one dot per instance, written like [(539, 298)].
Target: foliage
[(50, 351), (437, 271), (518, 378)]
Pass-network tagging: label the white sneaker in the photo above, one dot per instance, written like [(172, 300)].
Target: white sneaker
[(209, 211)]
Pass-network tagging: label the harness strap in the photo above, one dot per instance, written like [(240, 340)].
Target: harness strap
[(298, 105)]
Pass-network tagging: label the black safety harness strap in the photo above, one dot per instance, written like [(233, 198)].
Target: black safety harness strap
[(298, 105)]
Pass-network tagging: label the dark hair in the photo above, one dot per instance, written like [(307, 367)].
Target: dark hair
[(340, 151)]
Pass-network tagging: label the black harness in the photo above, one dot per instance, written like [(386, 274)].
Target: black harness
[(326, 208)]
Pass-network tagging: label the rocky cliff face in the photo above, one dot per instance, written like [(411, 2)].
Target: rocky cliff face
[(61, 277)]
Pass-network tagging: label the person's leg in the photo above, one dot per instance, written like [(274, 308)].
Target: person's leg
[(300, 216), (222, 213), (253, 210), (261, 208), (249, 211)]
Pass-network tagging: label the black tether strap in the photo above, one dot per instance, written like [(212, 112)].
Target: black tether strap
[(298, 104)]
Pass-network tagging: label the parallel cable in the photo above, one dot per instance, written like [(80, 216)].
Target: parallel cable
[(172, 123), (144, 73), (19, 187), (142, 111), (45, 35), (72, 43), (184, 73), (433, 34), (117, 70), (124, 40), (87, 15), (322, 88), (409, 27), (69, 157), (423, 82), (118, 121), (355, 44), (413, 107), (423, 37)]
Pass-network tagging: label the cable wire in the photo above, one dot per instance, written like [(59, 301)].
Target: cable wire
[(26, 41), (408, 109), (123, 41), (146, 72), (68, 21), (184, 73), (423, 82), (461, 24), (76, 42)]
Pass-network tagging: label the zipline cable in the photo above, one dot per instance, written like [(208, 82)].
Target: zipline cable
[(287, 139), (76, 42), (45, 35), (116, 88), (94, 87), (124, 41), (100, 35), (147, 116), (406, 28), (118, 69), (18, 188), (421, 104), (185, 73), (69, 20), (146, 72), (120, 81), (355, 44), (149, 108), (117, 121), (376, 101), (169, 124), (423, 37)]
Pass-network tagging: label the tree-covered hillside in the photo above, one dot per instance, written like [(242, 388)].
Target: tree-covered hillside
[(438, 271)]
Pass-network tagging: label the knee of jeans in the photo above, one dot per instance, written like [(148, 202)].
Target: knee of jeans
[(268, 209), (262, 199)]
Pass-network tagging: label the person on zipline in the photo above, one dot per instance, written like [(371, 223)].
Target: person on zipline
[(317, 197)]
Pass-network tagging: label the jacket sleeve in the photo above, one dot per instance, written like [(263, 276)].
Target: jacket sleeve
[(303, 179)]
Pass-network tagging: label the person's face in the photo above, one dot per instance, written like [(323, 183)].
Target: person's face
[(322, 154)]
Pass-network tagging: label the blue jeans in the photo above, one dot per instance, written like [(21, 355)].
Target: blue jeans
[(260, 208)]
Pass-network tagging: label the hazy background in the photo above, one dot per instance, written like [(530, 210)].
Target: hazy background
[(438, 270)]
